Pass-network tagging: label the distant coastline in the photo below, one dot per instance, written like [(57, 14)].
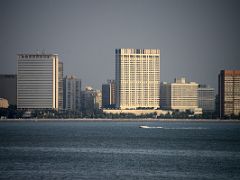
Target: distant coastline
[(119, 120)]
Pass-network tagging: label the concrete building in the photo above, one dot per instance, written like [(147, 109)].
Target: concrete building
[(3, 103), (137, 78), (8, 88), (229, 92), (91, 100), (71, 93), (39, 81), (206, 98), (108, 94), (180, 95)]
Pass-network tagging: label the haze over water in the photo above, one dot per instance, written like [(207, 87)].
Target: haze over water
[(119, 150)]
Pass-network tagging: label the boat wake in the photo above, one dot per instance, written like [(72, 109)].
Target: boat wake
[(186, 128), (181, 128)]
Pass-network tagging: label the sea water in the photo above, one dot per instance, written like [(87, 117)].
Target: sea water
[(119, 150)]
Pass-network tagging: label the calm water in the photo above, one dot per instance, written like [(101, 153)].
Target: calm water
[(119, 150)]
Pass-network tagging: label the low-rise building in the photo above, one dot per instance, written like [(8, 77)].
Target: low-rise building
[(137, 112), (180, 95)]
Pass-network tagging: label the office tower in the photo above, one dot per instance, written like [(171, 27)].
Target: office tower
[(8, 88), (179, 95), (39, 79), (72, 93), (108, 94), (206, 98), (137, 78), (229, 92)]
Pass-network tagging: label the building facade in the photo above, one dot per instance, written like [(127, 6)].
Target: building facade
[(8, 90), (60, 85), (206, 98), (180, 95), (229, 92), (108, 94), (39, 81), (71, 93), (137, 78)]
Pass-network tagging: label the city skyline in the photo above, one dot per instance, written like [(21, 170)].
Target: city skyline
[(197, 39)]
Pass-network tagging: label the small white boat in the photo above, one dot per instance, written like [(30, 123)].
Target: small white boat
[(143, 126), (149, 127)]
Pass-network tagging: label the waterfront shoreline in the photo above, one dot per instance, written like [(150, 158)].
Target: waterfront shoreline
[(119, 120)]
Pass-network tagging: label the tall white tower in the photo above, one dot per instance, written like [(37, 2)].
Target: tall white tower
[(137, 78)]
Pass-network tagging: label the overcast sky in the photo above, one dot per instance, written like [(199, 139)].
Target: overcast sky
[(197, 38)]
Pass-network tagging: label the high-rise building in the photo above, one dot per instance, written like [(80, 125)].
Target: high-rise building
[(206, 98), (72, 93), (137, 78), (91, 100), (180, 95), (229, 92), (87, 100), (8, 88), (39, 81), (108, 94)]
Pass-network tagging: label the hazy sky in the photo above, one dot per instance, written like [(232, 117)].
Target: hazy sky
[(197, 38)]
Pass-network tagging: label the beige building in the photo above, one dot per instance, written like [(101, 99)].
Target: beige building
[(39, 81), (137, 78), (180, 95), (229, 92), (3, 103)]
